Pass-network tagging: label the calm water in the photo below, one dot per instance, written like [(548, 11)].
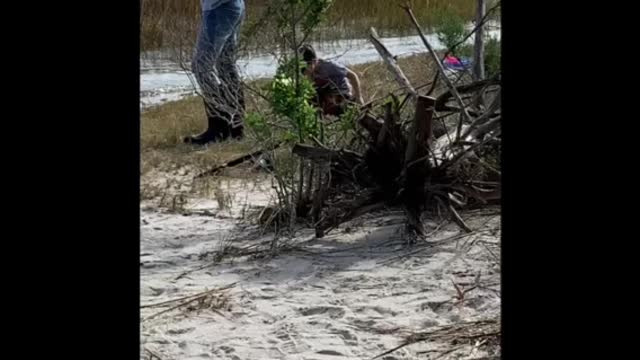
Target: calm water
[(163, 80)]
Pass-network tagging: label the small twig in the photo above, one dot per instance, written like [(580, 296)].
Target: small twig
[(190, 296), (237, 161), (486, 128), (461, 292), (458, 219), (458, 156), (482, 123), (495, 257), (447, 352), (442, 99), (199, 298), (182, 275), (152, 354)]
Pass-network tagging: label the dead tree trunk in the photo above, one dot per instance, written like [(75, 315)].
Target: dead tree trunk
[(478, 49), (416, 163)]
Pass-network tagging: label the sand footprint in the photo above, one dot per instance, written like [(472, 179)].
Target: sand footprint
[(334, 312), (180, 331)]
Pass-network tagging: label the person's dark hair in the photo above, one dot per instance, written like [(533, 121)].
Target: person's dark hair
[(308, 53)]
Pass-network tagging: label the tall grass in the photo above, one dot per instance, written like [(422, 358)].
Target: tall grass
[(167, 24)]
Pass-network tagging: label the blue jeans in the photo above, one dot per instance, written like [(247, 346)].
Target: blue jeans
[(214, 60)]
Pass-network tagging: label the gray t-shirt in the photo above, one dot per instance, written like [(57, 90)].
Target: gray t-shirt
[(331, 76)]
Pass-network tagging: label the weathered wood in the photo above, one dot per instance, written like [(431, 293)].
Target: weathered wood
[(455, 109), (478, 47), (458, 219), (443, 147), (485, 196), (237, 161), (421, 129), (310, 186), (416, 162), (314, 153), (324, 181), (488, 116), (320, 154), (441, 69), (480, 131), (463, 89), (391, 62)]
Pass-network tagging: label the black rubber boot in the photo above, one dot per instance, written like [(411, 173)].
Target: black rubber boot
[(212, 134)]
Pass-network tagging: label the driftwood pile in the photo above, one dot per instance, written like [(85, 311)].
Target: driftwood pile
[(404, 166), (417, 163)]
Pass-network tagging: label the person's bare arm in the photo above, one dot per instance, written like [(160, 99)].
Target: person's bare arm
[(355, 83)]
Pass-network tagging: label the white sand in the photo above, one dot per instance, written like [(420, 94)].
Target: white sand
[(349, 300)]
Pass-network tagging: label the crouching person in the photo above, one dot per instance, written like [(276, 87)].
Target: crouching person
[(335, 84)]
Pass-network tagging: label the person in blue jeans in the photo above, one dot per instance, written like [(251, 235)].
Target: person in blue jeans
[(214, 67)]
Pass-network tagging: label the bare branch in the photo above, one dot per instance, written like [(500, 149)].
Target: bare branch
[(451, 87)]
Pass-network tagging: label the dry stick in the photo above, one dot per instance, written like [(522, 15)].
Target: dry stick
[(459, 156), (495, 257), (447, 352), (454, 214), (487, 128), (237, 161), (182, 305), (478, 122), (171, 308), (450, 85), (478, 47), (458, 219), (153, 354), (391, 62), (418, 146), (194, 270), (314, 153), (190, 296), (448, 331), (466, 88)]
